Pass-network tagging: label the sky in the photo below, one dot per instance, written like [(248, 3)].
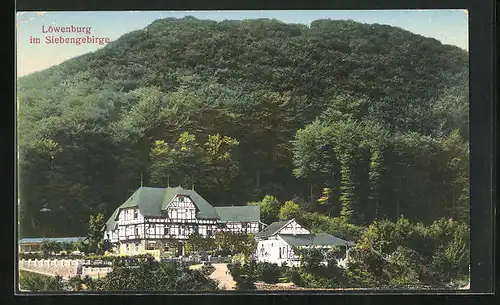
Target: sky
[(447, 26)]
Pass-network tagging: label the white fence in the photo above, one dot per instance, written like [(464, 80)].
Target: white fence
[(63, 267), (49, 262)]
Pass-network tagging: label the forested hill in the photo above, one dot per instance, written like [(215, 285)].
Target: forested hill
[(359, 120)]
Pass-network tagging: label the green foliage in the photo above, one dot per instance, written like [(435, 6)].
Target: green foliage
[(334, 226), (294, 275), (310, 258), (358, 124), (197, 244), (239, 258), (68, 247), (94, 242), (155, 276), (50, 247), (269, 209), (419, 254), (365, 268), (34, 282), (244, 275), (141, 273), (231, 243), (385, 236), (451, 258), (289, 210), (269, 273), (406, 269), (187, 162), (207, 269)]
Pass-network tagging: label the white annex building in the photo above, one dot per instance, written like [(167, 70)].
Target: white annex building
[(276, 242), (161, 219)]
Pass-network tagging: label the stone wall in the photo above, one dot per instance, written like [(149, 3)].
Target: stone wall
[(65, 268)]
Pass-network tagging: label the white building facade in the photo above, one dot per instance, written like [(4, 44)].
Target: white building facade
[(276, 243), (163, 218)]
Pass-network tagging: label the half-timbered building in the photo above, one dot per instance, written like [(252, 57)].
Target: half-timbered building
[(163, 218)]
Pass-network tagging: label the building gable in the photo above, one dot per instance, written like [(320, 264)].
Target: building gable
[(285, 227), (181, 208), (292, 227), (204, 209)]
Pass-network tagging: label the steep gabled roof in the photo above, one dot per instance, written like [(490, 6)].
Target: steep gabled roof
[(320, 239), (205, 209), (151, 201), (249, 213), (272, 229), (111, 223), (148, 199)]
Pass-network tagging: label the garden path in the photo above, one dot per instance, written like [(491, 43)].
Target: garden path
[(223, 276)]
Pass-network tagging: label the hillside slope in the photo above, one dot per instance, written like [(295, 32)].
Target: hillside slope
[(217, 105)]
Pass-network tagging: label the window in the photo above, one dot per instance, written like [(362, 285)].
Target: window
[(150, 245), (136, 247), (136, 231), (136, 214), (209, 232)]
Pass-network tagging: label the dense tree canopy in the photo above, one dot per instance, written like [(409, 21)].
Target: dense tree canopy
[(351, 121)]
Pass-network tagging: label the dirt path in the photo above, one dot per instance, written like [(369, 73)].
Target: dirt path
[(224, 277)]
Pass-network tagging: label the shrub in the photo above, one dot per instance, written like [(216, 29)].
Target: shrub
[(235, 269), (269, 273), (335, 226), (207, 269), (50, 247), (366, 267), (443, 246), (156, 276), (239, 258), (243, 275), (310, 258), (245, 282), (405, 268), (294, 276), (35, 282)]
